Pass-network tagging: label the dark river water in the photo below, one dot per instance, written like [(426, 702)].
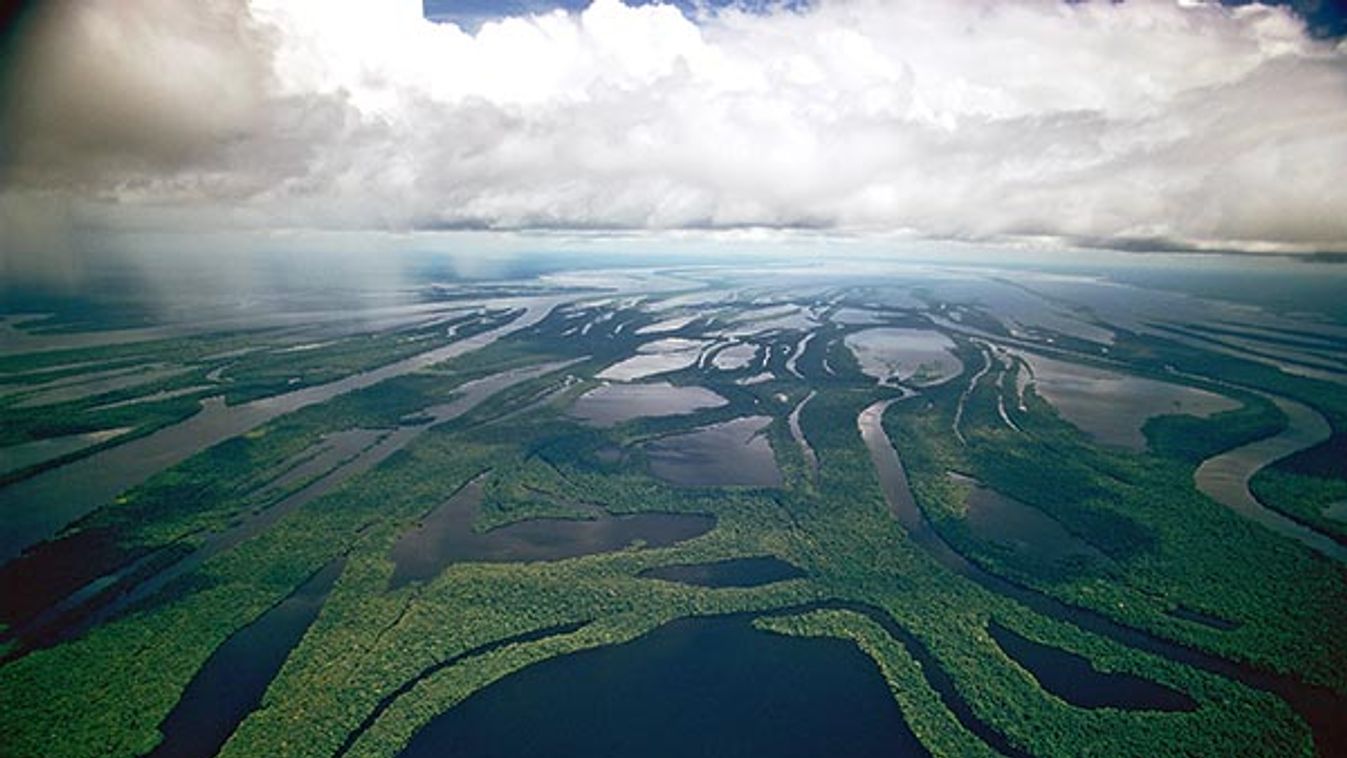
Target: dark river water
[(730, 453), (35, 508), (1321, 708), (346, 455), (735, 572), (446, 536), (1074, 679), (693, 687), (232, 681)]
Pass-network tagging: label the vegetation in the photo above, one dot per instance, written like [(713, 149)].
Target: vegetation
[(1194, 439), (929, 719), (1308, 499), (379, 662), (179, 373), (1141, 511)]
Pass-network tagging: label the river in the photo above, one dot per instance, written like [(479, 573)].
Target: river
[(1321, 708), (1225, 477), (36, 508)]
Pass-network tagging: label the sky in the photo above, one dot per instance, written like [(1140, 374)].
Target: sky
[(471, 14), (1143, 124), (1324, 18)]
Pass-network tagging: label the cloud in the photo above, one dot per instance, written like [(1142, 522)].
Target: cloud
[(106, 93), (1146, 119)]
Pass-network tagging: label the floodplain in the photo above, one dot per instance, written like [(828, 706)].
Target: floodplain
[(880, 508)]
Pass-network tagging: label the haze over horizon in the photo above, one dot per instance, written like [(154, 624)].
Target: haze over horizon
[(1140, 125)]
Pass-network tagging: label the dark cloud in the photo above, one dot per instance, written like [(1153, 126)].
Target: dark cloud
[(101, 88)]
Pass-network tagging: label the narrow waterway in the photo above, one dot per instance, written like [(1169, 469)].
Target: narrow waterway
[(1321, 708), (34, 509), (797, 432), (47, 630), (232, 681), (446, 536), (1225, 477)]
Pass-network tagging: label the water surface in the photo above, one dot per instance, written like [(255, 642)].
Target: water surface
[(232, 681), (646, 365), (693, 687), (1225, 477), (446, 536), (921, 356), (796, 431), (25, 454), (1322, 709), (997, 518), (730, 453), (324, 468), (735, 572), (1074, 679), (612, 404), (735, 357), (1113, 407), (122, 380), (35, 508)]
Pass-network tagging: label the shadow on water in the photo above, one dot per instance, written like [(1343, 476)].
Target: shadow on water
[(446, 536), (735, 572), (1321, 708), (696, 686), (1074, 679), (232, 681)]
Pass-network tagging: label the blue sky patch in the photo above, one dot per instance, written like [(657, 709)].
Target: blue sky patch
[(1325, 18)]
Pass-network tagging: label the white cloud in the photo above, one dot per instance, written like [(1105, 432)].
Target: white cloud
[(1147, 119)]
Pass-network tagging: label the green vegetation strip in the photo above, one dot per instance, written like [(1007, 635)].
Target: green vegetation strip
[(105, 693)]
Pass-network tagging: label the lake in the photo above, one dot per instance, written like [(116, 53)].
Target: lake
[(734, 452), (1112, 407), (735, 572), (1020, 528), (445, 536), (920, 356), (1074, 679), (693, 687), (612, 404)]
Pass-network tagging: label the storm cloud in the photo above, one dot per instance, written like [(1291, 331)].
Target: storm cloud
[(1151, 120)]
